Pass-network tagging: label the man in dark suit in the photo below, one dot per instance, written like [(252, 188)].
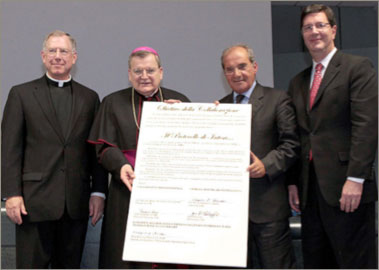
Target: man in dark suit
[(337, 110), (48, 169), (274, 145)]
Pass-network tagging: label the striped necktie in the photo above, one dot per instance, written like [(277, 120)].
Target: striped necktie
[(312, 95), (315, 85)]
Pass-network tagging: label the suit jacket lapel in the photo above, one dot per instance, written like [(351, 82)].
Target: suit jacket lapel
[(42, 95), (229, 98), (306, 88), (256, 99), (77, 106)]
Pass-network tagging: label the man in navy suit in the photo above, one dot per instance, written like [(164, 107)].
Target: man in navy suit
[(336, 102), (48, 169)]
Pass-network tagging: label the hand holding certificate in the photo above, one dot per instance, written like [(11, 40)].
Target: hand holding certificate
[(189, 202)]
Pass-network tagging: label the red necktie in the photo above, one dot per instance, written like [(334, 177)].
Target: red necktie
[(315, 86)]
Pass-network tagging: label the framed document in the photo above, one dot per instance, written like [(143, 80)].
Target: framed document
[(190, 197)]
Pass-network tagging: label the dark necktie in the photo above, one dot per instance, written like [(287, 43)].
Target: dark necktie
[(239, 98)]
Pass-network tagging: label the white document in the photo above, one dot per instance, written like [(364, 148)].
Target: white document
[(190, 197)]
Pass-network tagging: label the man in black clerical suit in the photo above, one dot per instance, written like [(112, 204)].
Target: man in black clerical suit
[(274, 146), (336, 102), (115, 133), (50, 178)]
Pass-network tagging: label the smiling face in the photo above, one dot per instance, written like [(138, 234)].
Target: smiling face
[(145, 75), (239, 71), (319, 41), (58, 57)]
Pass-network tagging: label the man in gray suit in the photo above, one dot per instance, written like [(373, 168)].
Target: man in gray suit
[(336, 102), (48, 169), (274, 146)]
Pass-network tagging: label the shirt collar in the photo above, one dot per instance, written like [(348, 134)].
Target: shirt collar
[(326, 60), (60, 82), (247, 94), (156, 90)]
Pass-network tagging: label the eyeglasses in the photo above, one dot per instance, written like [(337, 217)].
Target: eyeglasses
[(231, 70), (149, 71), (53, 51), (319, 26)]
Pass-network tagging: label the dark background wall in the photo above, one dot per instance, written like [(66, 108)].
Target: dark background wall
[(357, 33)]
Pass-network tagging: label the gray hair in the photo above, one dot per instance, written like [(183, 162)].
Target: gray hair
[(249, 50), (59, 33)]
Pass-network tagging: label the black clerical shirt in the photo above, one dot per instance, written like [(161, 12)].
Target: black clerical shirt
[(62, 101)]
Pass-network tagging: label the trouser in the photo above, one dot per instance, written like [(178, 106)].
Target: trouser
[(274, 245), (332, 238), (57, 243)]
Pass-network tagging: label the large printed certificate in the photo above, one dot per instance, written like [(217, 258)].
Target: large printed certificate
[(189, 202)]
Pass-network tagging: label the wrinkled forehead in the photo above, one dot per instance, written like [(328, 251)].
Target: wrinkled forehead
[(236, 55), (59, 41)]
